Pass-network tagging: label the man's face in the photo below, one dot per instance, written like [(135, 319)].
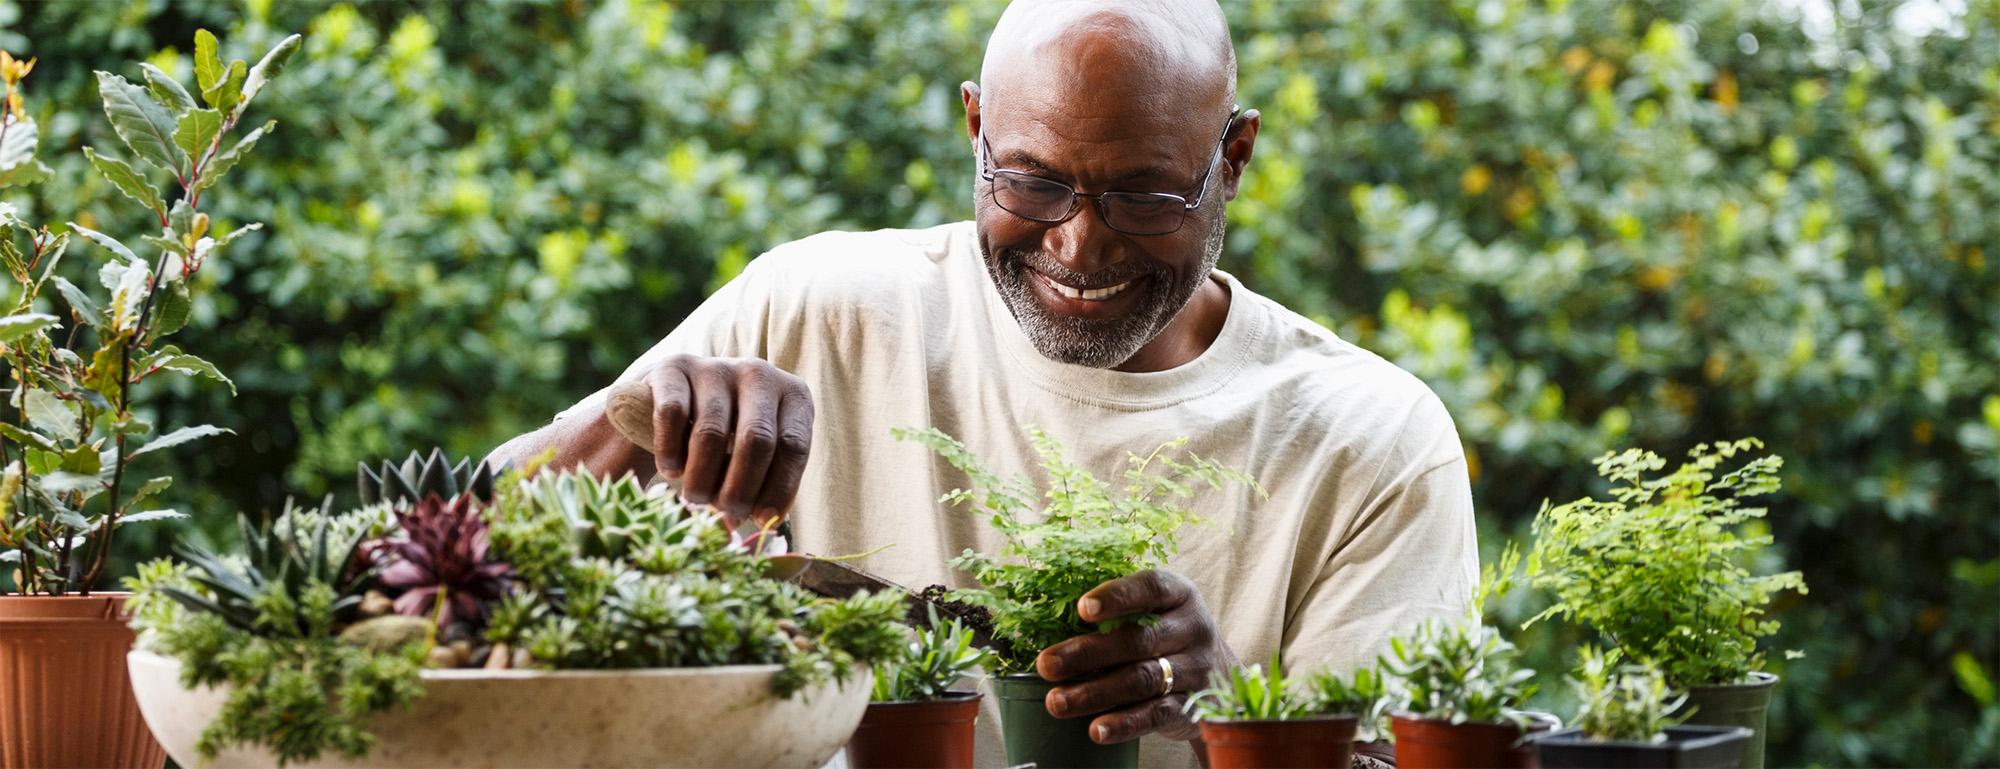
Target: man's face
[(1084, 293)]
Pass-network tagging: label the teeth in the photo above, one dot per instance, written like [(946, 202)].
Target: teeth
[(1092, 294)]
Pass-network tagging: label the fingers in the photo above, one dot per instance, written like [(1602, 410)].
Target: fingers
[(1145, 592), (735, 433), (795, 423), (1137, 682), (1159, 714), (1175, 632)]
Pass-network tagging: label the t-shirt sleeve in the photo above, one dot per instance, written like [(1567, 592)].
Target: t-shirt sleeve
[(1411, 554), (733, 322)]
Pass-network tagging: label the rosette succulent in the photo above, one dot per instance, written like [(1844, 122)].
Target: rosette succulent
[(418, 477), (436, 560)]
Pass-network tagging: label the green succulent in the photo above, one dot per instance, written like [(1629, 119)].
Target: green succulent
[(1623, 701), (616, 519), (279, 566), (1248, 693), (419, 476), (1462, 672), (942, 654)]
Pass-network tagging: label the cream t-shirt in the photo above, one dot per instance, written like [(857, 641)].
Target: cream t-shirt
[(1368, 528)]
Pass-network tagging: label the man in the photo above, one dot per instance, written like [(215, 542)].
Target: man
[(1083, 299)]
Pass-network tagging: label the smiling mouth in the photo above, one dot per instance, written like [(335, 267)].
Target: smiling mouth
[(1087, 294)]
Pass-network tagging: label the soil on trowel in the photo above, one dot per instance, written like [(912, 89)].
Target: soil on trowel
[(975, 617)]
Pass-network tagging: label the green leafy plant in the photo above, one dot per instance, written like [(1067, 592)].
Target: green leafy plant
[(280, 567), (1461, 672), (72, 436), (942, 654), (1662, 571), (1365, 692), (1248, 693), (1086, 534), (1629, 702)]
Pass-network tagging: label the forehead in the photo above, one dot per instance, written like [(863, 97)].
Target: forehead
[(1098, 128)]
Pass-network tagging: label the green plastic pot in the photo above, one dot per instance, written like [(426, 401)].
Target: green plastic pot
[(1034, 736), (1742, 705)]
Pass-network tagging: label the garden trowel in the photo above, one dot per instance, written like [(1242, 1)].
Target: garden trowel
[(630, 409)]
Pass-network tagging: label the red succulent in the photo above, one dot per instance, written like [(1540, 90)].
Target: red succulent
[(440, 546)]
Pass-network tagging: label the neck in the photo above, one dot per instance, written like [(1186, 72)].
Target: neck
[(1188, 335)]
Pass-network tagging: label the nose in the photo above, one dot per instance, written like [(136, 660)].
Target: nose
[(1082, 243)]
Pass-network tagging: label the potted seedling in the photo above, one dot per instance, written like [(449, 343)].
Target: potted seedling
[(73, 434), (561, 621), (1250, 719), (914, 717), (1461, 697), (1086, 533), (1624, 721), (1661, 572)]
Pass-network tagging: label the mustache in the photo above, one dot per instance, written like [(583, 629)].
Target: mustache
[(1017, 259)]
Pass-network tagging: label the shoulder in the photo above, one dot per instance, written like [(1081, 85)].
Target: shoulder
[(1347, 393), (859, 258)]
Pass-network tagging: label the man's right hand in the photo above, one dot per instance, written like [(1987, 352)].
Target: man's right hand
[(728, 432), (731, 432)]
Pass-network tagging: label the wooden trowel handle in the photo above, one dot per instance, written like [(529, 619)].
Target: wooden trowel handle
[(630, 409)]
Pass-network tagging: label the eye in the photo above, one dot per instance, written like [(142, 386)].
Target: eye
[(1149, 205), (1023, 184)]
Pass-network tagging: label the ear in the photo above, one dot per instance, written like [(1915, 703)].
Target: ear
[(1236, 154), (969, 92)]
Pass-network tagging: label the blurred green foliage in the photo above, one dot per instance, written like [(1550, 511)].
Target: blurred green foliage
[(1588, 225)]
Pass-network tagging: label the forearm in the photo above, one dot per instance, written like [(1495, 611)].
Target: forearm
[(584, 438)]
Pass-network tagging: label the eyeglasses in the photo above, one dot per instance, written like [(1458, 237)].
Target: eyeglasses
[(1134, 213)]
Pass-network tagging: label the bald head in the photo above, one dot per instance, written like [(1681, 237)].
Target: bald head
[(1175, 54)]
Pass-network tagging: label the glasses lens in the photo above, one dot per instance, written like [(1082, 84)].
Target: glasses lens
[(1142, 213), (1038, 199)]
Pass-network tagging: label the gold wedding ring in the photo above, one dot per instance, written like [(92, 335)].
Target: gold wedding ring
[(1166, 677)]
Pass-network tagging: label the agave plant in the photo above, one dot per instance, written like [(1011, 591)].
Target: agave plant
[(419, 477), (437, 560), (280, 563)]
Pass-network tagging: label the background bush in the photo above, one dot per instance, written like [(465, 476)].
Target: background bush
[(1588, 225)]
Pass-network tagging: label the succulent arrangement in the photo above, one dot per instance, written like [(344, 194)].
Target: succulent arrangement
[(331, 617), (422, 476), (1086, 533), (942, 654)]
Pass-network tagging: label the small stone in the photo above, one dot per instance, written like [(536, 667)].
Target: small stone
[(456, 631), (461, 651), (497, 657), (521, 659), (375, 604), (386, 633), (480, 656), (442, 657)]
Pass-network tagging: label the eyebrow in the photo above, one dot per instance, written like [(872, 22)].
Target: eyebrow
[(1024, 158)]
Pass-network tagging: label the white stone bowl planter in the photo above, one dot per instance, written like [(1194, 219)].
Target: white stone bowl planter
[(667, 717)]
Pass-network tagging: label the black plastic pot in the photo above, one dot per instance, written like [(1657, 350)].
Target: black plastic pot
[(1686, 747), (1034, 736), (1742, 705)]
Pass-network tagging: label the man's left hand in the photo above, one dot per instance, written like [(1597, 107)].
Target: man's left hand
[(1133, 695)]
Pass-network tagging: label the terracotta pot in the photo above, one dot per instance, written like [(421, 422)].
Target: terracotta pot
[(908, 735), (1324, 742), (1437, 743), (656, 717), (65, 700), (1686, 747), (1744, 705), (1035, 737)]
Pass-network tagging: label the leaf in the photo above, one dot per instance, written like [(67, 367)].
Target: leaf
[(67, 482), (52, 254), (166, 244), (48, 412), (269, 66), (129, 299), (167, 90), (150, 515), (14, 327), (235, 233), (176, 306), (149, 488), (181, 436), (26, 173), (17, 146), (80, 303), (227, 91), (171, 358), (145, 126), (196, 134), (207, 63), (125, 179), (226, 159), (108, 242), (28, 438)]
